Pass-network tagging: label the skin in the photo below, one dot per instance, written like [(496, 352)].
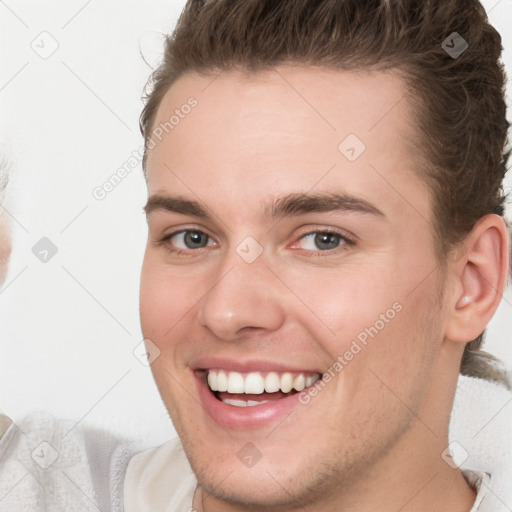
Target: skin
[(5, 248), (373, 438)]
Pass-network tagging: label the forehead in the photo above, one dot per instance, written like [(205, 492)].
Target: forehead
[(287, 128), (332, 101)]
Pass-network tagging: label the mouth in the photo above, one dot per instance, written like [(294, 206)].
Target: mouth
[(256, 388), (251, 400)]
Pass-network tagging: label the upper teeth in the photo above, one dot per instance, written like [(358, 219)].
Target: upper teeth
[(255, 383)]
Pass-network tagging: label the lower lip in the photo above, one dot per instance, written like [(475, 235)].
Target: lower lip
[(244, 418)]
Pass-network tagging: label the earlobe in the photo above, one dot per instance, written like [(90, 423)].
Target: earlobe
[(481, 275)]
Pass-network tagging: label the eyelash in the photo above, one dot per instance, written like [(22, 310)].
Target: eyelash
[(345, 241)]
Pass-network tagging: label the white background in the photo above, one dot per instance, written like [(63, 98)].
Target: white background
[(68, 122)]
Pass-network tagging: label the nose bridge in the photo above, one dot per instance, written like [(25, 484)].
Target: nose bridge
[(244, 294)]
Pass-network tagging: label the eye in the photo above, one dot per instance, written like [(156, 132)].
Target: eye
[(189, 240), (323, 241)]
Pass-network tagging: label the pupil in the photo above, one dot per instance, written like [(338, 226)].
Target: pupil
[(326, 240), (194, 238)]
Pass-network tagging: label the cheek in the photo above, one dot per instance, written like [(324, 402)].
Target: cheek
[(400, 348), (371, 314), (346, 300), (165, 298)]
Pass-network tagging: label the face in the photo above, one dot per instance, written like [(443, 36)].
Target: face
[(290, 280)]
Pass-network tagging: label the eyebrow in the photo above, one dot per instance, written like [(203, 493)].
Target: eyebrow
[(289, 205)]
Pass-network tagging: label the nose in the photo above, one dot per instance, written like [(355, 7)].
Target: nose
[(244, 297)]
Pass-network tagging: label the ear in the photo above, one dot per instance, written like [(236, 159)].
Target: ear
[(480, 274)]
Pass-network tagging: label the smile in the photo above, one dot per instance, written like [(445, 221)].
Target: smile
[(256, 388), (250, 394)]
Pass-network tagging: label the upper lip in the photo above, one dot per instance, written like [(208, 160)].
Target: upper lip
[(246, 366)]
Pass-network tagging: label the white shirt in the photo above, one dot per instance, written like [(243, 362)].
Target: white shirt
[(480, 482)]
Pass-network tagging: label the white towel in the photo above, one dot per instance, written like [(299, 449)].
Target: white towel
[(56, 466), (481, 437)]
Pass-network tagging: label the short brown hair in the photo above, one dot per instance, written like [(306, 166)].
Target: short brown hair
[(458, 100)]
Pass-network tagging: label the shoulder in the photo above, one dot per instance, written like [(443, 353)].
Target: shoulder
[(481, 438), (479, 410), (159, 479), (51, 464)]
